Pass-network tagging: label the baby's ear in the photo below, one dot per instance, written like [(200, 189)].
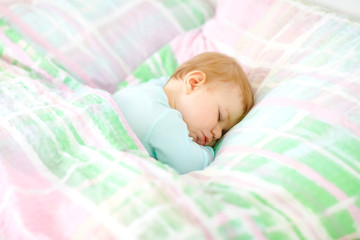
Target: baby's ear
[(193, 80)]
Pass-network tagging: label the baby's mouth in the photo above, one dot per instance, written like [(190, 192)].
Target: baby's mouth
[(204, 140)]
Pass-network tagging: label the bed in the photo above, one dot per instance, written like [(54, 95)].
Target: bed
[(71, 167)]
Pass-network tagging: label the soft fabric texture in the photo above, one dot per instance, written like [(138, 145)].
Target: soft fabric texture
[(160, 128), (71, 168), (294, 160), (102, 42)]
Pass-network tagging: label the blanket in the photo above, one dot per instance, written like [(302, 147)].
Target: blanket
[(71, 167)]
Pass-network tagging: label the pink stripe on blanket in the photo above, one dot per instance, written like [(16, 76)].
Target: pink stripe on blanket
[(219, 32), (302, 169), (190, 44), (316, 110), (234, 11), (352, 86), (255, 229), (229, 24), (30, 206), (43, 43)]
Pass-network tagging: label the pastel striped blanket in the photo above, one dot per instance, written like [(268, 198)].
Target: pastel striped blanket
[(102, 42), (71, 168)]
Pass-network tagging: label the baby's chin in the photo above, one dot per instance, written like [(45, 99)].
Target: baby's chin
[(212, 143)]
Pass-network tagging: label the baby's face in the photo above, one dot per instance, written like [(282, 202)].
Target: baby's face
[(209, 114)]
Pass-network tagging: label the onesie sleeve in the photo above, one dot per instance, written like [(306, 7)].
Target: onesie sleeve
[(172, 145)]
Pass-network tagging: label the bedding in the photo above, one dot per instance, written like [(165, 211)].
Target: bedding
[(101, 42), (71, 168)]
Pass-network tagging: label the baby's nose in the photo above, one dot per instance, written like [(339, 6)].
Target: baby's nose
[(217, 132)]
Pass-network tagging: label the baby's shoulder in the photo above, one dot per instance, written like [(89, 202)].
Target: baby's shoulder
[(147, 103), (138, 93)]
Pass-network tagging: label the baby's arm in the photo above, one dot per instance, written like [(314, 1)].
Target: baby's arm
[(174, 147)]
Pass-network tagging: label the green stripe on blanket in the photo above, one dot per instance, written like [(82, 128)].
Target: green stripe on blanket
[(162, 63)]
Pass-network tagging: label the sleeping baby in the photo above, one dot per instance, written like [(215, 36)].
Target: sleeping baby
[(179, 120)]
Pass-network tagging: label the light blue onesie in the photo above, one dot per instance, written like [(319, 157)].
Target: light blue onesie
[(160, 128)]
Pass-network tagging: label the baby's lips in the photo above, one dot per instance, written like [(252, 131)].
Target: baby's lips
[(203, 139)]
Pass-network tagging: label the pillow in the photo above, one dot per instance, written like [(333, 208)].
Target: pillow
[(290, 168), (102, 42)]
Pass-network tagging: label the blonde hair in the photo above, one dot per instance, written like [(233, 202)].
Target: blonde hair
[(221, 68)]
